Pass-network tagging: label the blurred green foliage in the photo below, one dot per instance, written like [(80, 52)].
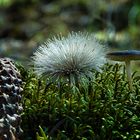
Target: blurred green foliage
[(104, 109), (25, 23), (5, 3)]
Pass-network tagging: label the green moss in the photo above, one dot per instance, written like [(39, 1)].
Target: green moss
[(102, 109)]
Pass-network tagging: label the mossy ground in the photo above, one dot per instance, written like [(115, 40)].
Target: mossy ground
[(102, 109)]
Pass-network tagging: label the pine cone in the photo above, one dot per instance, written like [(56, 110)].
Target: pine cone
[(10, 100)]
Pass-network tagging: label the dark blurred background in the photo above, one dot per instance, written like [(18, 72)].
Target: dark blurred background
[(24, 24)]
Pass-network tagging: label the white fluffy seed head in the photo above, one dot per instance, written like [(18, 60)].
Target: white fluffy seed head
[(73, 56)]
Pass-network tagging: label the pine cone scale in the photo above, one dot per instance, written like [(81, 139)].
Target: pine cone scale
[(10, 100)]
